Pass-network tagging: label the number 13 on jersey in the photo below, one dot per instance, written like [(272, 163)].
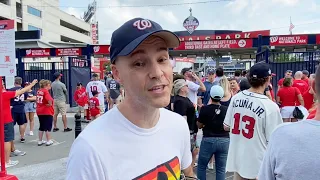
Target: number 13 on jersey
[(247, 125)]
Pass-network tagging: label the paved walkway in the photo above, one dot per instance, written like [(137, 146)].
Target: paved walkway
[(49, 163)]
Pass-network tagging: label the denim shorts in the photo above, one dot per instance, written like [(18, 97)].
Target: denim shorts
[(8, 132), (30, 107)]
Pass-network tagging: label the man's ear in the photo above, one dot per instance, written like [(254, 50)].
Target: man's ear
[(115, 73)]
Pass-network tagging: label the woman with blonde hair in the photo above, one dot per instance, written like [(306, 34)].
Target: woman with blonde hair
[(224, 83), (45, 111)]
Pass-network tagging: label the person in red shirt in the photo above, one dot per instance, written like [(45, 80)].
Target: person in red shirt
[(299, 83), (94, 105), (8, 121), (45, 111), (287, 74), (287, 97), (81, 98), (305, 75), (309, 96)]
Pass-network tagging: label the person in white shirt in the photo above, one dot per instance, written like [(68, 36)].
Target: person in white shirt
[(137, 139), (251, 118), (194, 88), (97, 85)]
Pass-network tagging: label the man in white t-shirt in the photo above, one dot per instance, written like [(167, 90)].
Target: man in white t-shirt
[(137, 139), (97, 85), (194, 88), (251, 118)]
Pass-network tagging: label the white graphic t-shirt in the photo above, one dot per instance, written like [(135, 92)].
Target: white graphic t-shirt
[(112, 148)]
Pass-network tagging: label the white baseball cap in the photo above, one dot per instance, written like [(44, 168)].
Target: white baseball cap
[(216, 92)]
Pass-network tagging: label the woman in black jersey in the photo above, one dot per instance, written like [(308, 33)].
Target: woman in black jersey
[(215, 139)]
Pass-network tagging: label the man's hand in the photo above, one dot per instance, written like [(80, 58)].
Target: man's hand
[(195, 76), (34, 82)]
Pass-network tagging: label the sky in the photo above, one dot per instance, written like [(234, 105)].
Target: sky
[(244, 15)]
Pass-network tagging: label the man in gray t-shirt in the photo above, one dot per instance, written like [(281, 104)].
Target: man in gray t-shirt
[(114, 92), (60, 100), (293, 152)]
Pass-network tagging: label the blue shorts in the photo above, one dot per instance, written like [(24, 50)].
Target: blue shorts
[(8, 132), (19, 118), (30, 107), (45, 122)]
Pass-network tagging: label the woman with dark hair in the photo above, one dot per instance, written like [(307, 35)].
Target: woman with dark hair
[(287, 97), (215, 139)]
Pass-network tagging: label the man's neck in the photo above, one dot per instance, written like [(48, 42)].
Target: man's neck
[(259, 90), (139, 114), (16, 85)]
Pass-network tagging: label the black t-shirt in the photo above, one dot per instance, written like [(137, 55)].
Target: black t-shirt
[(169, 105), (213, 124), (184, 107)]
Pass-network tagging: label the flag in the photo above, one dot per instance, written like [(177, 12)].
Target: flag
[(291, 26)]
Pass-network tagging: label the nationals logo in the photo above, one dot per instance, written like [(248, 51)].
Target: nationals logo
[(191, 23), (96, 48), (274, 39), (142, 24), (28, 51)]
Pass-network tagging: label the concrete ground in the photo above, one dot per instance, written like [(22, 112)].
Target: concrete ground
[(49, 163)]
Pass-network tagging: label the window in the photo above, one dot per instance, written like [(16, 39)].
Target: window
[(34, 11), (33, 28)]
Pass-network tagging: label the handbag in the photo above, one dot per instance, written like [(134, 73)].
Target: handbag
[(297, 113)]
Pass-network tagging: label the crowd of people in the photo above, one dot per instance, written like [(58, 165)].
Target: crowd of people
[(23, 102)]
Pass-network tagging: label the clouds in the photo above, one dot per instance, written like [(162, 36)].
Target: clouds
[(245, 15)]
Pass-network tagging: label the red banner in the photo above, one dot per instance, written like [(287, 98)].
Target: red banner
[(215, 44), (38, 52), (94, 33), (68, 52), (241, 35), (185, 59), (318, 39), (6, 24), (101, 49), (288, 40)]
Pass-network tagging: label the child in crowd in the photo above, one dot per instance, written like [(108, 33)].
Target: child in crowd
[(94, 106)]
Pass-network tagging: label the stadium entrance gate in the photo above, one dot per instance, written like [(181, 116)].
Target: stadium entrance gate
[(295, 61), (73, 70)]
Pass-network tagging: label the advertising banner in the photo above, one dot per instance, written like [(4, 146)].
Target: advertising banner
[(318, 39), (101, 49), (7, 48), (38, 52), (241, 35), (215, 44), (288, 40), (68, 52), (94, 33)]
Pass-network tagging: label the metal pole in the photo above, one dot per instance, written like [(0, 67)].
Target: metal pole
[(3, 172), (78, 128)]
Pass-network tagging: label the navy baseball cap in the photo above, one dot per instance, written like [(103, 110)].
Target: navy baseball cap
[(260, 70), (210, 71), (131, 34)]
